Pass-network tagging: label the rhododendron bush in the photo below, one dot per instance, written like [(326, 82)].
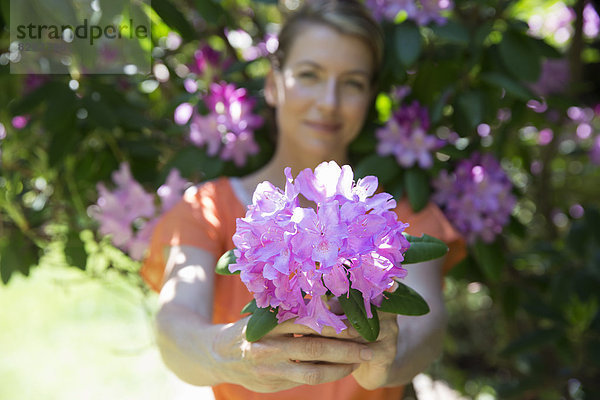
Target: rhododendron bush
[(489, 109)]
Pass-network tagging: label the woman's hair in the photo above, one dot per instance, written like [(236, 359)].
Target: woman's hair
[(349, 17)]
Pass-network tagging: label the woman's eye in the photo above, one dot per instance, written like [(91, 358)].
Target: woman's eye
[(307, 75), (356, 84)]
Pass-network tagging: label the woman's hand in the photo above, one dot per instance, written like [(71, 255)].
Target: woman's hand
[(375, 373), (205, 354), (288, 356), (407, 345)]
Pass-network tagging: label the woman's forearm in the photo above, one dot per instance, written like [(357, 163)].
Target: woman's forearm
[(420, 342), (185, 342)]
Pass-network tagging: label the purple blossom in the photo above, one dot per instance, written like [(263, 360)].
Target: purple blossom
[(128, 213), (228, 128), (422, 12), (183, 113), (170, 192), (291, 257), (591, 21), (267, 46), (476, 197), (2, 131), (20, 121), (554, 78), (118, 210), (595, 151), (204, 58), (405, 136), (33, 81)]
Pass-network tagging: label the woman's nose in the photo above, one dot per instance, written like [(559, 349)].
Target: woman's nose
[(329, 99)]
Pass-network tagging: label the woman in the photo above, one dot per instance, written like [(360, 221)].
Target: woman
[(321, 86)]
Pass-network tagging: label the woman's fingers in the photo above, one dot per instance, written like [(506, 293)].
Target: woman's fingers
[(315, 374), (291, 328), (312, 348)]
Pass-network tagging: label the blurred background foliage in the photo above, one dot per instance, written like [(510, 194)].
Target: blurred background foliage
[(518, 80)]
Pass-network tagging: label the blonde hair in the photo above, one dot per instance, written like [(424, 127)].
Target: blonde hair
[(349, 17)]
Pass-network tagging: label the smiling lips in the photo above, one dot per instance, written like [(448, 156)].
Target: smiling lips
[(328, 127)]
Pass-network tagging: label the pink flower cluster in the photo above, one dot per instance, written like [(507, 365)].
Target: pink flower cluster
[(405, 137), (554, 77), (208, 62), (128, 213), (228, 128), (289, 256), (476, 197), (422, 12), (595, 151)]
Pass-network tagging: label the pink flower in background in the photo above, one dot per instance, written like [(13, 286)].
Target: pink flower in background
[(2, 137), (205, 129), (183, 113), (228, 128), (422, 12), (128, 212), (554, 78), (595, 151), (204, 58), (267, 46), (20, 121), (352, 240), (556, 21), (405, 137), (591, 21), (476, 197), (34, 81), (170, 192)]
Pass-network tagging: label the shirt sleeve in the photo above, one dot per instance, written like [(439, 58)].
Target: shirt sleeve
[(193, 221), (431, 221)]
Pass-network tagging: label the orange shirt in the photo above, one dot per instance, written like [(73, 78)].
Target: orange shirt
[(205, 218)]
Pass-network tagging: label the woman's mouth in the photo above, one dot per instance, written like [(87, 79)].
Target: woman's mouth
[(328, 127)]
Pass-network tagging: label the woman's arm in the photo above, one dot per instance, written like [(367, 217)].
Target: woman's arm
[(202, 353), (407, 345)]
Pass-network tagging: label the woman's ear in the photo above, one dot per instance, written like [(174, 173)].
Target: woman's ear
[(271, 89)]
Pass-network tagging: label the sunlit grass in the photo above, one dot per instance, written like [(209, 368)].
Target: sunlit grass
[(66, 336)]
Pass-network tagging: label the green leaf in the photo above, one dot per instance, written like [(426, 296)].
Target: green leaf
[(5, 11), (251, 307), (55, 11), (452, 32), (75, 251), (408, 43), (261, 322), (424, 248), (490, 258), (519, 57), (384, 168), (404, 301), (510, 85), (416, 183), (194, 164), (29, 102), (470, 107), (532, 341), (354, 308), (212, 12), (174, 18), (17, 254), (222, 267)]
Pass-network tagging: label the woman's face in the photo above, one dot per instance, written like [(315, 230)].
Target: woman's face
[(322, 92)]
